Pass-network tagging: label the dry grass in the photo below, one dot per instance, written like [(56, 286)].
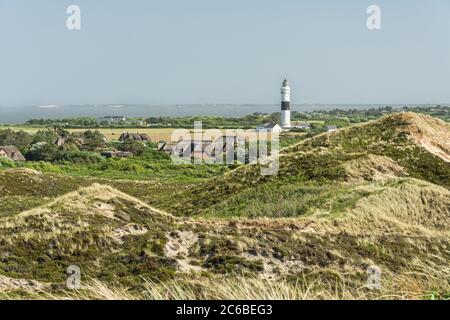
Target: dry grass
[(372, 167), (393, 206), (56, 217), (113, 134), (415, 207), (431, 133), (430, 282)]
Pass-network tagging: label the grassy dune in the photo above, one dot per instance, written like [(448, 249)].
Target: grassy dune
[(375, 194), (425, 283)]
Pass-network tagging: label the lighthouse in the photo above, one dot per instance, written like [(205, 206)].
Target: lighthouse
[(285, 105)]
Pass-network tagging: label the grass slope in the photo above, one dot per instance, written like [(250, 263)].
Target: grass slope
[(403, 144), (372, 194), (107, 233)]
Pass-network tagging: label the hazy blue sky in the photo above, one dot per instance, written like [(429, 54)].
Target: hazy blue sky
[(227, 51)]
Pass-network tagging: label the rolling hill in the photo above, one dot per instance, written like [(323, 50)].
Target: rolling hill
[(373, 194), (327, 166), (102, 230)]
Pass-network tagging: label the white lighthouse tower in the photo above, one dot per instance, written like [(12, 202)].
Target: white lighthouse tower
[(285, 105)]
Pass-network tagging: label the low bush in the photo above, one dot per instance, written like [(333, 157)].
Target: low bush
[(80, 157), (6, 163)]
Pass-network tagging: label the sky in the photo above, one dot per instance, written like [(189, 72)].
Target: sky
[(224, 51)]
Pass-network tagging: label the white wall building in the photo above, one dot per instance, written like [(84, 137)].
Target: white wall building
[(269, 127)]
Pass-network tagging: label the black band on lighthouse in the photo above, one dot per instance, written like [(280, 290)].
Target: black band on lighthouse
[(285, 105)]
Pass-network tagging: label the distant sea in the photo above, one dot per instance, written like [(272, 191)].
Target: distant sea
[(19, 115)]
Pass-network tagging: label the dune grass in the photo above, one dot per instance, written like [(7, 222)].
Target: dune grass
[(430, 282)]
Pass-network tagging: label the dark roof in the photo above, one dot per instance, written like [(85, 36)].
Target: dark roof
[(269, 125), (169, 147), (134, 136), (201, 146), (225, 139), (77, 139), (285, 83), (13, 153), (60, 141)]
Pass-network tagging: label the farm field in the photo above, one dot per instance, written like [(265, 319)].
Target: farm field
[(113, 134)]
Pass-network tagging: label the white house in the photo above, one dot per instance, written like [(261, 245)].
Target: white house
[(303, 125), (331, 128), (270, 127)]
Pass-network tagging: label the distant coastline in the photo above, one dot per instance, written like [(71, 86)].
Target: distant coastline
[(18, 115)]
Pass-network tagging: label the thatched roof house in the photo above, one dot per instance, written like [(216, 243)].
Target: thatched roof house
[(134, 137), (12, 153)]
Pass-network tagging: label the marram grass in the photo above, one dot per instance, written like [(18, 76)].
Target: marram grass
[(430, 282)]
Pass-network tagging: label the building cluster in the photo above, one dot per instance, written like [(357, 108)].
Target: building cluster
[(202, 149), (124, 121), (139, 137), (205, 149), (79, 139)]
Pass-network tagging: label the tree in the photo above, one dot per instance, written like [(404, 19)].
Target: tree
[(43, 151), (7, 163), (61, 132), (19, 139), (48, 136), (93, 140), (134, 147)]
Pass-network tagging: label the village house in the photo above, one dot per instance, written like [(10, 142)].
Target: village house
[(202, 149), (167, 147), (134, 137), (60, 141), (331, 128), (12, 153), (138, 122), (77, 138), (115, 118), (269, 127), (227, 144), (199, 149), (227, 140), (302, 125)]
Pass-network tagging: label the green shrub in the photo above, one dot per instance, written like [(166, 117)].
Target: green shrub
[(6, 163), (43, 166), (43, 151), (135, 147), (80, 157)]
